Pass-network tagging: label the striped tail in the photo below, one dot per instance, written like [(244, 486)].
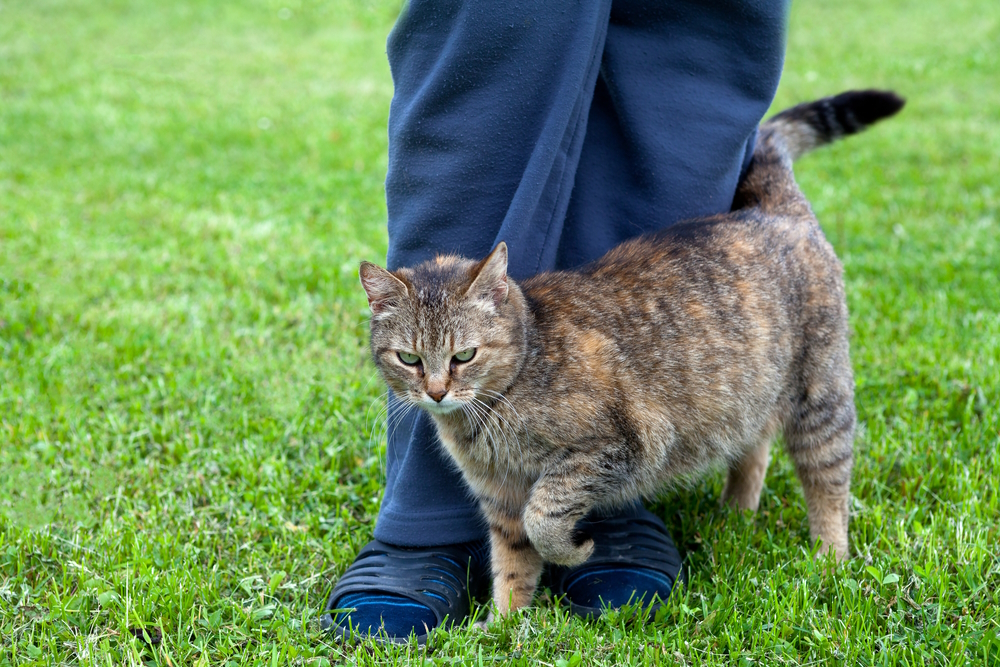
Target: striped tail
[(813, 124), (786, 136)]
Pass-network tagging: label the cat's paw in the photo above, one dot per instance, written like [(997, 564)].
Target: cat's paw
[(841, 552), (555, 537), (559, 546), (568, 554), (484, 624)]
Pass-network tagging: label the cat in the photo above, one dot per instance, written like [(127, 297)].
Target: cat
[(576, 390)]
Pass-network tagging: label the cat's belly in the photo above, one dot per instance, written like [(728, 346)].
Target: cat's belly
[(658, 435), (669, 457)]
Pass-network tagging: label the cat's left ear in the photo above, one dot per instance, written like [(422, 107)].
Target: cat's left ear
[(490, 282)]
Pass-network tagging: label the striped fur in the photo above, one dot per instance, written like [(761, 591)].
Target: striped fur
[(674, 352)]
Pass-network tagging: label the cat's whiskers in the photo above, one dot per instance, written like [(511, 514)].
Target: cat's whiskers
[(485, 412), (370, 378), (475, 415), (389, 423), (396, 421), (498, 395), (475, 425), (372, 424), (485, 409), (480, 418), (520, 422), (382, 402), (509, 430), (492, 430)]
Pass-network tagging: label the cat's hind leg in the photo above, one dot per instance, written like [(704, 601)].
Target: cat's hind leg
[(820, 439), (746, 478)]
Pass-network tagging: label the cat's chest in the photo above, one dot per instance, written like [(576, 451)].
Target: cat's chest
[(502, 438)]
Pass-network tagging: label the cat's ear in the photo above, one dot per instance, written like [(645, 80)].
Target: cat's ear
[(384, 290), (490, 281)]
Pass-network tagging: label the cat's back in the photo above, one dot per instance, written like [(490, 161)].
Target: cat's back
[(697, 326), (733, 273)]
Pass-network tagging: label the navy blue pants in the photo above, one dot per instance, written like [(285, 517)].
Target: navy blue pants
[(562, 128)]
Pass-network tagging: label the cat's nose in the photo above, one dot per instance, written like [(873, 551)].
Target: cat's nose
[(437, 395)]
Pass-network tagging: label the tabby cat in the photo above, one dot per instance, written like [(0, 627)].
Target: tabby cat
[(696, 345)]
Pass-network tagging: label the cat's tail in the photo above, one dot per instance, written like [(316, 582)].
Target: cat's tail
[(786, 136), (813, 124)]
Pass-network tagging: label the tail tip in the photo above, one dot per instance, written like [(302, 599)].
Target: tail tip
[(870, 106)]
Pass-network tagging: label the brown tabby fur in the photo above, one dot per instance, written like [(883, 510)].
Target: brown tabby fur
[(673, 352)]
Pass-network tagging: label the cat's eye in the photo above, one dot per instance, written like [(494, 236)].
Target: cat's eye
[(465, 355), (409, 359)]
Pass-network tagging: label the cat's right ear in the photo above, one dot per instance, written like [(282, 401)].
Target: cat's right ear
[(384, 290)]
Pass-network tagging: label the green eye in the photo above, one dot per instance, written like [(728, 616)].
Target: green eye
[(409, 359), (465, 355)]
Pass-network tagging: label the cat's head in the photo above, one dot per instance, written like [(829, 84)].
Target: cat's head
[(447, 332)]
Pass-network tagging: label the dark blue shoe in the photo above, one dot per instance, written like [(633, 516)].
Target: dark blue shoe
[(393, 593), (634, 562)]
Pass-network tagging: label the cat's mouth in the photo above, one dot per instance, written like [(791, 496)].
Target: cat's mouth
[(443, 408)]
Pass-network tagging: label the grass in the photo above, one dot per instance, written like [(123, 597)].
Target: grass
[(187, 459)]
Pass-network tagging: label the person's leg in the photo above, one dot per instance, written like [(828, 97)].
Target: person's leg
[(491, 109), (671, 128), (487, 120), (682, 88)]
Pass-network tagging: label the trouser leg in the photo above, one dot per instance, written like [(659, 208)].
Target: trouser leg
[(485, 129), (683, 86)]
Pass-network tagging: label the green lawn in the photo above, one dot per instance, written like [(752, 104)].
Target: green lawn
[(188, 441)]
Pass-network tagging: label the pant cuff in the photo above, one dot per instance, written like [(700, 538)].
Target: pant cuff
[(423, 530)]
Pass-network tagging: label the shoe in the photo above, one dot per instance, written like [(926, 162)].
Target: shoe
[(634, 562), (393, 593)]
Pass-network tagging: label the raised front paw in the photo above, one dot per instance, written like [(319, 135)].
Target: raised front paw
[(566, 552), (556, 540)]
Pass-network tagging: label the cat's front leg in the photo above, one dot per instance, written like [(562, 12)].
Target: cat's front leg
[(562, 496), (516, 565)]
